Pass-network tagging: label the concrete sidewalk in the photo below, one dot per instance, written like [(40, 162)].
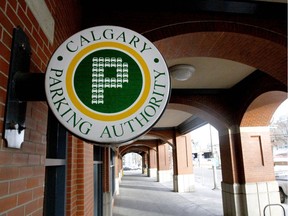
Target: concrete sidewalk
[(141, 196)]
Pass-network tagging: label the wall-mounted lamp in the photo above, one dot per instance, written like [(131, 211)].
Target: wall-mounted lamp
[(182, 72)]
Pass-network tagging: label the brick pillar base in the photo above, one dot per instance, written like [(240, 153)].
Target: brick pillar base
[(152, 172), (117, 186), (107, 203), (144, 171), (251, 199), (164, 175), (184, 183), (120, 175)]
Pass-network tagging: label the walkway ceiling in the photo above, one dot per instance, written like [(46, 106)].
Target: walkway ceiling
[(212, 74)]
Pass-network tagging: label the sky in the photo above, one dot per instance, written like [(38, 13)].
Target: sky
[(202, 135), (281, 110)]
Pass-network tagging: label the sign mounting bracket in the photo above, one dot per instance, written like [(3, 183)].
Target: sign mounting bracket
[(22, 87)]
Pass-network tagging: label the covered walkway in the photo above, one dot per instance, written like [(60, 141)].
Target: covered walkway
[(142, 195)]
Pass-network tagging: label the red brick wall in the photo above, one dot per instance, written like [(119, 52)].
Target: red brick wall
[(152, 158), (257, 155), (86, 178), (106, 169), (184, 152), (261, 110), (79, 199), (117, 163), (163, 157), (71, 178), (22, 171)]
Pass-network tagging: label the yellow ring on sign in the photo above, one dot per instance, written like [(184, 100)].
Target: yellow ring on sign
[(83, 109)]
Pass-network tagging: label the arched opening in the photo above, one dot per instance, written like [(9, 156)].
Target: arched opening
[(132, 163), (256, 140), (279, 129), (279, 141), (258, 144), (206, 156)]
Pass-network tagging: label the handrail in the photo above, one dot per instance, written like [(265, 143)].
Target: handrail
[(275, 205)]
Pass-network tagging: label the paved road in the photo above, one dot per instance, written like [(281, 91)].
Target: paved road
[(141, 195), (205, 177)]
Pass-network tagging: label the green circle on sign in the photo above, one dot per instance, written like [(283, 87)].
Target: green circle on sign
[(108, 81)]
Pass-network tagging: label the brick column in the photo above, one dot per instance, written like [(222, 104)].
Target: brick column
[(183, 178), (120, 166), (144, 163), (117, 171), (107, 193), (163, 161), (152, 163), (232, 169), (248, 179), (79, 177)]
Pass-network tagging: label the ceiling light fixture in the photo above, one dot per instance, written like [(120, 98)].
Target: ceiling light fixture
[(182, 72)]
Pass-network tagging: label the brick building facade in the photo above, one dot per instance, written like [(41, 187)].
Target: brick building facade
[(91, 174)]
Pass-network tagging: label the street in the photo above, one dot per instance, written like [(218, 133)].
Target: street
[(204, 176)]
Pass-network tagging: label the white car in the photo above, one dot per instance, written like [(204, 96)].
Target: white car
[(283, 187), (281, 174)]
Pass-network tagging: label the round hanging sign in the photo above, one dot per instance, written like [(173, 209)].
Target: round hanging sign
[(107, 84)]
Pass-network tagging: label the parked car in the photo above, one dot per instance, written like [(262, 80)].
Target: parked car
[(283, 187), (281, 174)]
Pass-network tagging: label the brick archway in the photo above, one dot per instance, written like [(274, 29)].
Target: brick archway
[(261, 110), (250, 45)]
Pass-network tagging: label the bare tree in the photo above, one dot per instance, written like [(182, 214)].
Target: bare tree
[(279, 132)]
